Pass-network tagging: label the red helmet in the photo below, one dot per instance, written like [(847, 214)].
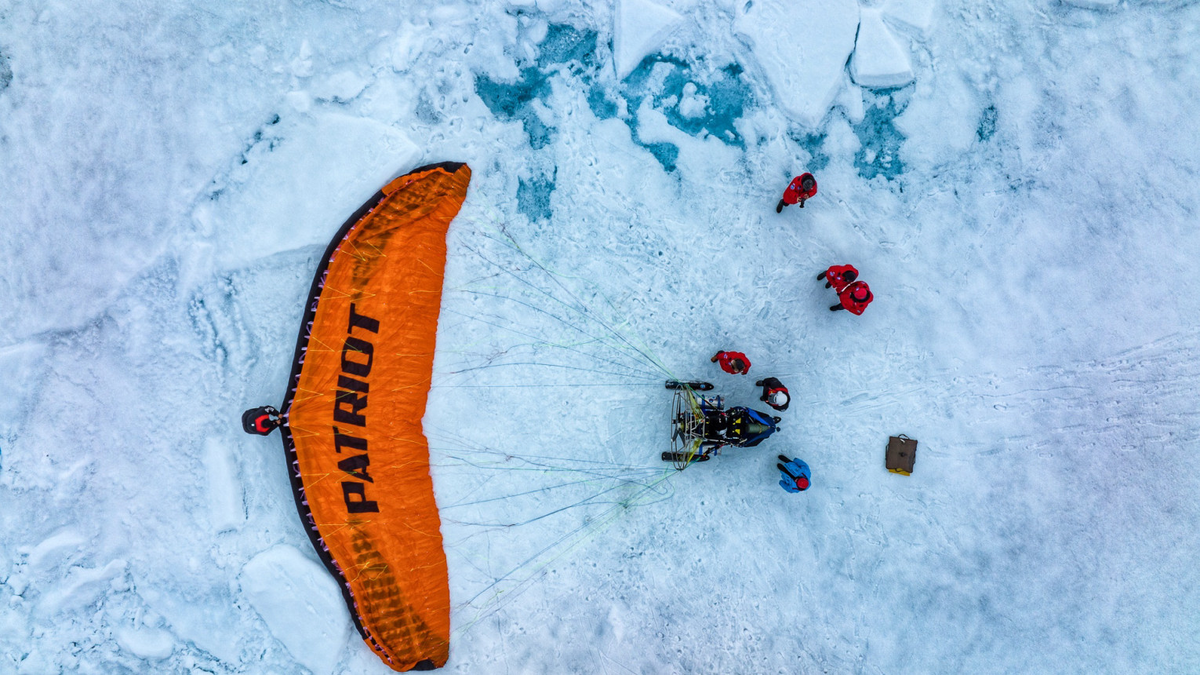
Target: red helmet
[(860, 293), (802, 483)]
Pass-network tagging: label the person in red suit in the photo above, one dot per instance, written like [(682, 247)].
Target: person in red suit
[(802, 188), (838, 276), (854, 298), (734, 363)]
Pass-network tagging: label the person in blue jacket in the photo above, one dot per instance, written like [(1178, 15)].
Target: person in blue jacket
[(795, 474)]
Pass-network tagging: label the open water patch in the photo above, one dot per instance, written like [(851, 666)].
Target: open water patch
[(567, 45), (533, 197), (698, 103), (425, 111), (987, 124), (879, 154), (510, 101), (6, 73), (602, 105), (563, 46), (667, 154), (814, 145), (698, 100)]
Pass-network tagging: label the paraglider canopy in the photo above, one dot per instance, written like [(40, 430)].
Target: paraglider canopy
[(351, 420)]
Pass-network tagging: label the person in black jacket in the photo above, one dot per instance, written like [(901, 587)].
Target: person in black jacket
[(774, 393)]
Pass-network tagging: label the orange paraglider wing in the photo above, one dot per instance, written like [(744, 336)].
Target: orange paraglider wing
[(357, 455)]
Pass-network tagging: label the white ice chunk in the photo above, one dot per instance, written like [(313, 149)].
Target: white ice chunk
[(536, 28), (301, 101), (692, 105), (340, 87), (300, 189), (301, 605), (802, 48), (224, 489), (54, 549), (22, 368), (204, 615), (880, 60), (146, 643), (81, 587), (302, 65), (641, 28), (915, 14)]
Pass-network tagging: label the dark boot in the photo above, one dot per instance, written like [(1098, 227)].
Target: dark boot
[(780, 467), (779, 206), (828, 285), (821, 276), (784, 459), (836, 308)]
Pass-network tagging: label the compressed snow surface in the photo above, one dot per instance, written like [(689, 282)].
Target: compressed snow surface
[(1023, 209)]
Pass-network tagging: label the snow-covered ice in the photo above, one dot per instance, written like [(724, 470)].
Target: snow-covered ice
[(879, 60), (301, 605), (1015, 181), (640, 29), (801, 49), (916, 15)]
